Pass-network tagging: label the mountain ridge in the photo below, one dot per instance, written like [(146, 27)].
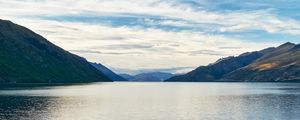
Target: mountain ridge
[(109, 73), (148, 77), (249, 66), (283, 64), (27, 57)]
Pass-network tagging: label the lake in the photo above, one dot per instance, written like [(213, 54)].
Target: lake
[(153, 101)]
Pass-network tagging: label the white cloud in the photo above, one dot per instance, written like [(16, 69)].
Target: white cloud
[(227, 21), (164, 48)]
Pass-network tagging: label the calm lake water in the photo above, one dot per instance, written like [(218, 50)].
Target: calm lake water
[(153, 101)]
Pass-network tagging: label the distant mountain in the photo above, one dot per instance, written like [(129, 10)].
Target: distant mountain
[(126, 76), (110, 74), (271, 64), (26, 57), (149, 77)]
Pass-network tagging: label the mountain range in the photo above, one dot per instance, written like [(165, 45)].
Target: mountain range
[(27, 57), (110, 74), (275, 64), (148, 77)]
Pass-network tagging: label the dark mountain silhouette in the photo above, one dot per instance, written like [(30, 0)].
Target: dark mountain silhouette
[(271, 64), (148, 77), (110, 74), (26, 57), (126, 76)]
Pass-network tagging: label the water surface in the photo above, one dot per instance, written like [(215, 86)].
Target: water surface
[(153, 101)]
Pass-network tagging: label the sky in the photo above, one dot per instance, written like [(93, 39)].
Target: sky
[(133, 36)]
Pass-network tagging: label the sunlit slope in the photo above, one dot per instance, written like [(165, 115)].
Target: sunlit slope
[(281, 63)]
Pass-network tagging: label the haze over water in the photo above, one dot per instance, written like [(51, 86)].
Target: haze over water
[(153, 101)]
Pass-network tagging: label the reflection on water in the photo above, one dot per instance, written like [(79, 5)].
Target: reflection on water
[(153, 101)]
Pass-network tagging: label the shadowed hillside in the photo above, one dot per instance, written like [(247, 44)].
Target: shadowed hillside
[(110, 74), (27, 57)]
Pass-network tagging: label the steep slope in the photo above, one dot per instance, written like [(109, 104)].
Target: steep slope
[(27, 57), (218, 69), (282, 64), (110, 74), (269, 65)]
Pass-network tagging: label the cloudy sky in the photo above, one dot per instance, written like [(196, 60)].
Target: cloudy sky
[(164, 35)]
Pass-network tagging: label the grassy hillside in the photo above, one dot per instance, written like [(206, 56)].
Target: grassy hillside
[(218, 69), (280, 64)]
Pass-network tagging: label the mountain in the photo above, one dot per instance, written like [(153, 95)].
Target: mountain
[(218, 69), (110, 74), (271, 64), (149, 77), (281, 64), (27, 57), (126, 76)]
